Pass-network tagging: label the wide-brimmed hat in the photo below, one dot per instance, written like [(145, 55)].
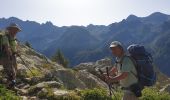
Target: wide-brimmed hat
[(14, 25)]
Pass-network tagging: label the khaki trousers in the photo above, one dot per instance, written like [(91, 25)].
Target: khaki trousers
[(10, 67)]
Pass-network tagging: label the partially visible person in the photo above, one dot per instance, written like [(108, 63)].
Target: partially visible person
[(9, 52)]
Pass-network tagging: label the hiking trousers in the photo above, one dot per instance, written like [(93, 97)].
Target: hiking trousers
[(10, 67), (128, 95)]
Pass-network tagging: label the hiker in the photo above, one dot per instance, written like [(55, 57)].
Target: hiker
[(123, 71), (9, 52)]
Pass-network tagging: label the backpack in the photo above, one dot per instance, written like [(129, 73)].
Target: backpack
[(143, 62), (2, 34)]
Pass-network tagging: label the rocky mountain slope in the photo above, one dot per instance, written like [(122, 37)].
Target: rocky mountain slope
[(52, 81), (48, 76)]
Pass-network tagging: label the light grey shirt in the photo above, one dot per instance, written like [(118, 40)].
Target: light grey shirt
[(127, 66)]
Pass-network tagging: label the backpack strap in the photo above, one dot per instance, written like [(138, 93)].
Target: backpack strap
[(134, 63), (1, 46)]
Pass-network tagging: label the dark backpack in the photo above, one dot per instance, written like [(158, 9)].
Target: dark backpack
[(2, 33), (144, 64)]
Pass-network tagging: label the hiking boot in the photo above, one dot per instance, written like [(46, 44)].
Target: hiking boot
[(11, 84)]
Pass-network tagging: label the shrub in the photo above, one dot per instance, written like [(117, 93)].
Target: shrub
[(7, 94), (34, 71), (60, 59), (28, 44), (95, 94), (49, 94), (47, 66), (117, 95), (70, 96), (154, 94), (101, 94)]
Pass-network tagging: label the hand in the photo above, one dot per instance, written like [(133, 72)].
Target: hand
[(110, 80), (103, 76)]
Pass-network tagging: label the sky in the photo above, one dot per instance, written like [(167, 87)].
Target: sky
[(80, 12)]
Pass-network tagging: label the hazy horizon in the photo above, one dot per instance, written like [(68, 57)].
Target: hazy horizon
[(81, 12), (74, 25)]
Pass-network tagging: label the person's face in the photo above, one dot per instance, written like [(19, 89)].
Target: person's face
[(117, 51), (13, 31)]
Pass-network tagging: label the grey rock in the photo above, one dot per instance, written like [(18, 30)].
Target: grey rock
[(93, 68), (90, 80), (166, 88), (69, 79)]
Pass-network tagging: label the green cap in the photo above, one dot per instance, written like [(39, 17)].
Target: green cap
[(115, 44), (14, 25)]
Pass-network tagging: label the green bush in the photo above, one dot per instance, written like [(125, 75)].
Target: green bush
[(154, 94), (47, 66), (70, 96), (117, 95), (29, 74), (50, 95), (7, 94), (95, 94), (101, 94), (34, 72)]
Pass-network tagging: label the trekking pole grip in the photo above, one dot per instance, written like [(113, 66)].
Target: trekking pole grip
[(107, 71)]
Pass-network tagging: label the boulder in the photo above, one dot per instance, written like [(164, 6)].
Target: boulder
[(93, 68), (166, 88), (90, 80), (33, 90), (69, 78)]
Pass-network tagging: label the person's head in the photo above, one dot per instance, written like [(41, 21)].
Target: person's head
[(13, 29), (117, 49)]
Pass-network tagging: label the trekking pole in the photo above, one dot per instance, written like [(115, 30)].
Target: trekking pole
[(25, 64), (110, 85)]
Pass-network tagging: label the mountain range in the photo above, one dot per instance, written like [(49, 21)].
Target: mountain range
[(90, 43)]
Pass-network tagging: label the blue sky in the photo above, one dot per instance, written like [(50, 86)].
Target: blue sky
[(80, 12)]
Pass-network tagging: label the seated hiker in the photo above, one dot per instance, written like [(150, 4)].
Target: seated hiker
[(123, 70), (9, 51)]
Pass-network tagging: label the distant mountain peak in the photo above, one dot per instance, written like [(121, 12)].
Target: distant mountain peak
[(132, 17), (14, 19), (48, 23), (157, 14), (90, 25), (156, 18)]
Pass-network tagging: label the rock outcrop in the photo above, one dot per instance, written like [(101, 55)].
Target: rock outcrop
[(93, 67), (166, 88)]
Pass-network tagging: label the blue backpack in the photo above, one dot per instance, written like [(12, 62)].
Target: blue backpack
[(144, 64)]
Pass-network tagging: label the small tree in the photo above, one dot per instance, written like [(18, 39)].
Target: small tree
[(28, 44), (60, 59)]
